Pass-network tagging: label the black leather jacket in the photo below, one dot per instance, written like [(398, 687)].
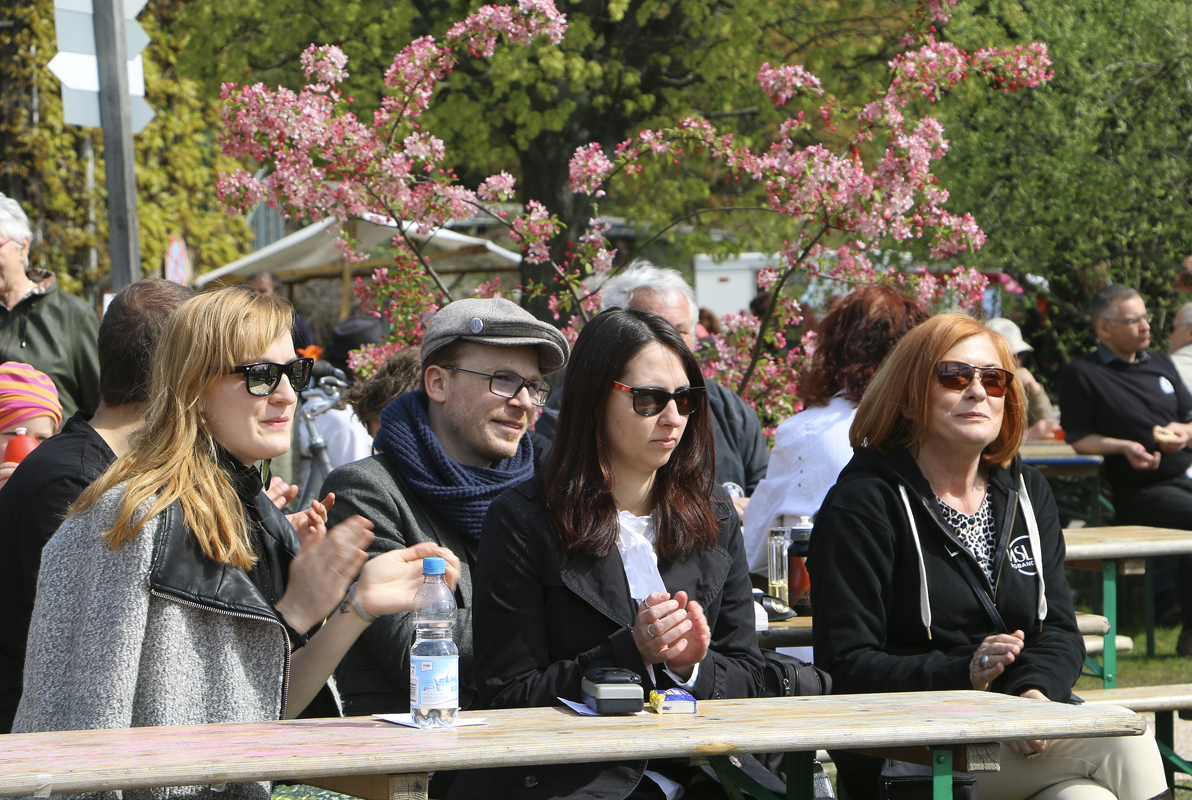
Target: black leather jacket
[(182, 572)]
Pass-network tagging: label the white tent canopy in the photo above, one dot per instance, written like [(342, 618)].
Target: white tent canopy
[(311, 252)]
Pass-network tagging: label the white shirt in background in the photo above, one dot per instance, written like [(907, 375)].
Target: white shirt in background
[(810, 450)]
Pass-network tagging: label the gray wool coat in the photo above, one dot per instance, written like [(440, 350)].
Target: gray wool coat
[(374, 677), (105, 652)]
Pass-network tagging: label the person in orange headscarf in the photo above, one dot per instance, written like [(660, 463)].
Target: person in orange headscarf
[(29, 401)]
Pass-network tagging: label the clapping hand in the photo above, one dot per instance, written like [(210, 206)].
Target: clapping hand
[(280, 492), (672, 631), (322, 571), (311, 524)]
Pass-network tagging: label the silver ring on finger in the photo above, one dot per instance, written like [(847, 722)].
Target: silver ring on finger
[(649, 632), (1034, 754), (983, 662)]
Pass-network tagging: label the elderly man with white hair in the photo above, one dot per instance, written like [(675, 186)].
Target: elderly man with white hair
[(41, 325), (1181, 343), (741, 454)]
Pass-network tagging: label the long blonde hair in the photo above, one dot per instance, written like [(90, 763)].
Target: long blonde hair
[(175, 456)]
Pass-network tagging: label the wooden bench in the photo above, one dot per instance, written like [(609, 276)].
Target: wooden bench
[(796, 632), (1163, 701), (1122, 550), (1095, 645)]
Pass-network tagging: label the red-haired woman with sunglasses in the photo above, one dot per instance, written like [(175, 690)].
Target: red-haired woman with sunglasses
[(176, 593), (937, 562), (623, 554)]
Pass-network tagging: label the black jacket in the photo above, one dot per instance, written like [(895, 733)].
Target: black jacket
[(866, 585), (58, 334), (543, 615), (32, 505)]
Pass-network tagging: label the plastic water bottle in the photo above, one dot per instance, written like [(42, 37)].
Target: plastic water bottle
[(19, 446), (434, 659)]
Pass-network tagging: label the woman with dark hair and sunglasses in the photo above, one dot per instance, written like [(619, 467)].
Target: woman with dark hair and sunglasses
[(937, 562), (624, 553), (177, 593)]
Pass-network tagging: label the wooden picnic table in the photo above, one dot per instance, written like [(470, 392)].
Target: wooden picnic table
[(1126, 550), (380, 761), (796, 632), (1059, 461)]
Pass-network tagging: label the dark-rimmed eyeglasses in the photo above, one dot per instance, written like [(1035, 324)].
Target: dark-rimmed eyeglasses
[(509, 384), (264, 377), (956, 376), (652, 402)]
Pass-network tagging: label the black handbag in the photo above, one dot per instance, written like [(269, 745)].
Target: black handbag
[(903, 781), (787, 676)]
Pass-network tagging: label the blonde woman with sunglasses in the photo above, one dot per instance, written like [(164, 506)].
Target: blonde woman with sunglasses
[(937, 562), (176, 593)]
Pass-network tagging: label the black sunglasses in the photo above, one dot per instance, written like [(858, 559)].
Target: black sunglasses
[(263, 378), (956, 375), (651, 402)]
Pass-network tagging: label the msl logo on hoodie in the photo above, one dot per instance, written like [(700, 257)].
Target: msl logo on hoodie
[(1019, 553)]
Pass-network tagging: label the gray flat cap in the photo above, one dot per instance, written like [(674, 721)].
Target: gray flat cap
[(498, 322)]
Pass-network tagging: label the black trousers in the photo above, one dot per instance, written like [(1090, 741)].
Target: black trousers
[(1167, 504)]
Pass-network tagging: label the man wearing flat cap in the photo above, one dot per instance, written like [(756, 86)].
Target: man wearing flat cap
[(445, 452)]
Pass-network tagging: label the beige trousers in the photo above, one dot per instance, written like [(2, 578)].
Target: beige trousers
[(1123, 767)]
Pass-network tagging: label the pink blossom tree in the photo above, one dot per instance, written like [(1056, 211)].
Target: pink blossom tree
[(873, 188)]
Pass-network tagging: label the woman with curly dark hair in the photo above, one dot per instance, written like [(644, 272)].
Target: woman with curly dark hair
[(812, 447)]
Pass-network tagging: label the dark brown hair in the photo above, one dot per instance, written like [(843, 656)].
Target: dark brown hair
[(128, 337), (854, 338), (895, 409), (400, 373), (577, 484), (707, 318)]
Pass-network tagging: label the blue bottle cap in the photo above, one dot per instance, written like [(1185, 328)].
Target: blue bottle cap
[(434, 565)]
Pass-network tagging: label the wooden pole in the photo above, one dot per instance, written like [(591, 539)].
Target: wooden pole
[(115, 113)]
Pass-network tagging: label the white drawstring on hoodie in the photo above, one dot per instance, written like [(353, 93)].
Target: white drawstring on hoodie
[(1032, 529)]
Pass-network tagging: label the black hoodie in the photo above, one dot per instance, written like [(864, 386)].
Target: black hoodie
[(873, 592)]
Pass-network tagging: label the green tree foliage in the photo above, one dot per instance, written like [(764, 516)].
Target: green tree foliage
[(624, 65), (44, 166), (1086, 180)]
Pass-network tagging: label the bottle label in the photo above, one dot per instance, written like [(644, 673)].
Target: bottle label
[(434, 681)]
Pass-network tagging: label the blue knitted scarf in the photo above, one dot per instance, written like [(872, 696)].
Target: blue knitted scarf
[(458, 493)]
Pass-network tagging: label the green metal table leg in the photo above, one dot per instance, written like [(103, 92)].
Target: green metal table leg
[(1165, 736), (1150, 607), (1109, 609), (800, 776), (941, 774)]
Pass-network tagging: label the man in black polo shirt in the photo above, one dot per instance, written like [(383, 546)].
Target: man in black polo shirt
[(1129, 404)]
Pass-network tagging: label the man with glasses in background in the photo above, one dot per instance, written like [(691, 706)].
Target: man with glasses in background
[(1128, 403), (445, 452), (41, 325)]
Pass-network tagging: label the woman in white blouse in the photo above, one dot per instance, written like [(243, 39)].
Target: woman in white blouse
[(812, 447), (624, 553)]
